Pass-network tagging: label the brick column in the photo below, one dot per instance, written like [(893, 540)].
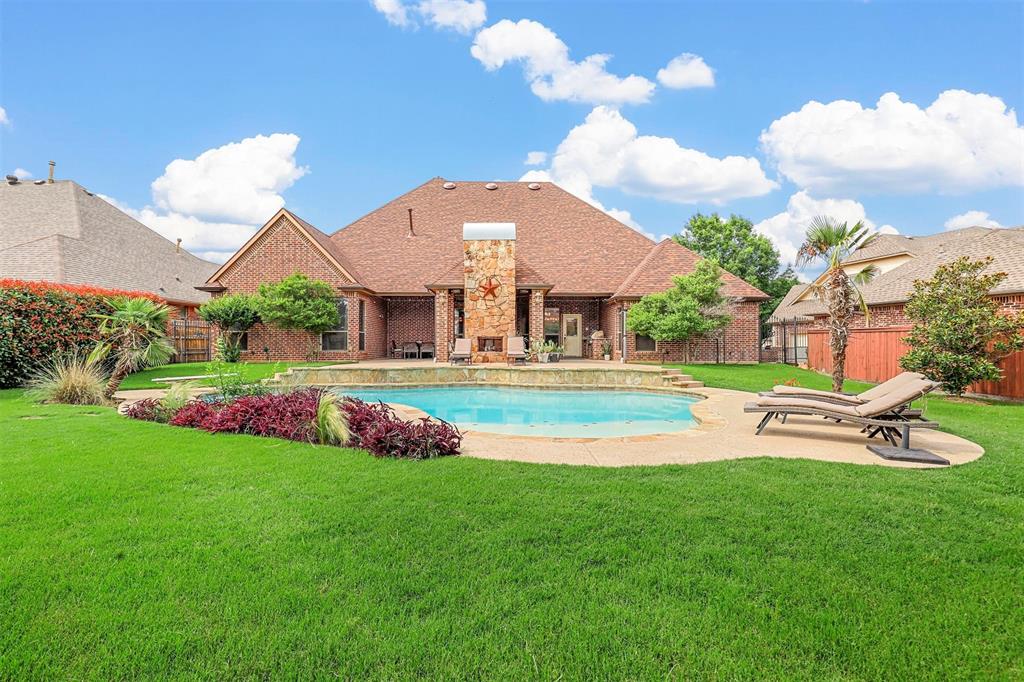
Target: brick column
[(443, 323), (537, 314)]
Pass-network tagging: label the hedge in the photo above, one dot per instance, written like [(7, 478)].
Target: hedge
[(39, 319)]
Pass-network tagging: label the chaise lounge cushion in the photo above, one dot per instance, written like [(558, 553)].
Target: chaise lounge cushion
[(806, 403), (902, 395), (875, 392)]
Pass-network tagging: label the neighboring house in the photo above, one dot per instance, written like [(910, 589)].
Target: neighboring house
[(60, 232), (874, 351), (482, 261)]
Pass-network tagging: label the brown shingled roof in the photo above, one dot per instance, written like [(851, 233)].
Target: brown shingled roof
[(668, 259), (567, 242)]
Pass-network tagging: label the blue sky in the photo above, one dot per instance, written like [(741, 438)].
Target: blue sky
[(370, 101)]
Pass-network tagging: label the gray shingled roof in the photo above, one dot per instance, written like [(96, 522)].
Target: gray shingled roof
[(1004, 245), (62, 233)]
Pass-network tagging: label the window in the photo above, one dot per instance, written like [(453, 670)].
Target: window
[(645, 344), (362, 324), (338, 338)]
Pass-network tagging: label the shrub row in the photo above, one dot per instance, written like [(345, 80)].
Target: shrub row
[(292, 416), (38, 320)]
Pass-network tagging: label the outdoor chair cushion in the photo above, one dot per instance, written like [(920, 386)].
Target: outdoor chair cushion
[(906, 393), (806, 403)]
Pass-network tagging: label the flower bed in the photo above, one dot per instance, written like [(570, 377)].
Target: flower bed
[(294, 415)]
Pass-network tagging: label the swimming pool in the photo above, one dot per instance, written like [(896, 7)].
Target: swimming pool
[(537, 412)]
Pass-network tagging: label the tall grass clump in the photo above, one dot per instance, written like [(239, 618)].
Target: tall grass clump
[(69, 379), (331, 423)]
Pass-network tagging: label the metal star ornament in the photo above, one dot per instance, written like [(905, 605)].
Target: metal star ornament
[(489, 289)]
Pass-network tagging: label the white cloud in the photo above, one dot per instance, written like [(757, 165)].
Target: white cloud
[(536, 158), (394, 11), (606, 151), (687, 71), (548, 69), (216, 201), (788, 229), (971, 219), (463, 16), (962, 142), (21, 173), (4, 120), (239, 182)]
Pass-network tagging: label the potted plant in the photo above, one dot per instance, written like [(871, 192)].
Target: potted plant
[(533, 353), (606, 350), (555, 352)]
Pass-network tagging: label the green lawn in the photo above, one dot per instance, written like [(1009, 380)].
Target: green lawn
[(130, 549), (251, 371)]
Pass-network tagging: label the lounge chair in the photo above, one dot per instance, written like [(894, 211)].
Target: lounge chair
[(846, 398), (885, 415), (516, 349), (462, 351)]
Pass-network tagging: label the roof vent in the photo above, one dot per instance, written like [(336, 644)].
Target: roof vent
[(12, 179), (534, 185), (491, 185), (449, 185), (39, 182)]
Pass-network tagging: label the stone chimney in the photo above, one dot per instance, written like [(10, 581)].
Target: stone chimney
[(489, 251)]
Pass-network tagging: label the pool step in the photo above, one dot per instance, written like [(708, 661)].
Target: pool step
[(677, 378)]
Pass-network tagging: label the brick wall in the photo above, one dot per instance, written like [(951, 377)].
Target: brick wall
[(410, 318), (589, 308), (739, 343)]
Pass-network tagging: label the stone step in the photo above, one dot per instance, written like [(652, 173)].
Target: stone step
[(688, 383), (671, 372)]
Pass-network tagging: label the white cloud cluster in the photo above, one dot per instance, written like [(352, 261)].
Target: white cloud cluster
[(687, 71), (21, 173), (606, 151), (549, 70), (463, 16), (536, 158), (971, 219), (788, 229), (240, 181), (962, 142), (216, 201), (4, 120)]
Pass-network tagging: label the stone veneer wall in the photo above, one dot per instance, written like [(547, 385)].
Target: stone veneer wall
[(493, 259)]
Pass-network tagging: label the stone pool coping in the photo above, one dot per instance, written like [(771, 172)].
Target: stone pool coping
[(710, 441)]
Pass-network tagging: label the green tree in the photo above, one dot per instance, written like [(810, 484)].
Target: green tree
[(297, 302), (959, 334), (694, 308), (134, 335), (831, 242), (736, 247), (234, 315)]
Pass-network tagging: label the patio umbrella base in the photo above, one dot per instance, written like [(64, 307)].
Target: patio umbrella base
[(907, 454)]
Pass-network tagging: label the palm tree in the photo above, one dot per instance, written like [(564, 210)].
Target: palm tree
[(831, 242), (134, 333)]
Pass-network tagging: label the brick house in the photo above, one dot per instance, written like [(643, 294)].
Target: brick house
[(483, 261), (876, 343)]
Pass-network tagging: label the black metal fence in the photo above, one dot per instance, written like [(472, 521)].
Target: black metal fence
[(788, 342)]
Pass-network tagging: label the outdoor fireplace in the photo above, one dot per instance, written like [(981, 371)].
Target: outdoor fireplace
[(489, 344)]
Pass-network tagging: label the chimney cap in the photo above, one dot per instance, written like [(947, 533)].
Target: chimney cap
[(471, 231)]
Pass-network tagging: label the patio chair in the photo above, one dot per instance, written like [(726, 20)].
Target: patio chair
[(396, 350), (846, 398), (516, 351), (885, 415), (410, 350), (462, 351), (427, 349)]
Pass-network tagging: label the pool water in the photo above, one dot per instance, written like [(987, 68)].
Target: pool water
[(538, 412)]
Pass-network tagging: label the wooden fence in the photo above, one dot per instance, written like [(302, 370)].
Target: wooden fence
[(192, 339), (874, 355)]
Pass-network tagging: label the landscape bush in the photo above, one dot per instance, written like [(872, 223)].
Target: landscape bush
[(375, 427), (39, 320), (312, 415), (69, 379)]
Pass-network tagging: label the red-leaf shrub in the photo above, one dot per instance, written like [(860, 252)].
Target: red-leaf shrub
[(377, 428), (194, 414), (374, 426), (40, 319), (148, 410)]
